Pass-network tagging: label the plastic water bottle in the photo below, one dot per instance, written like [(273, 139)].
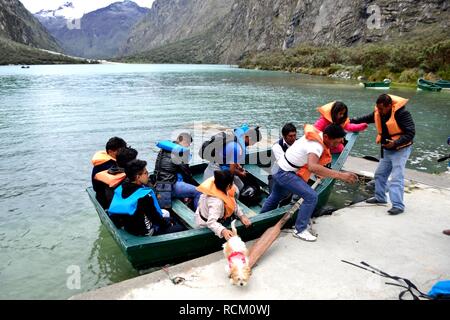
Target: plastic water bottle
[(166, 214)]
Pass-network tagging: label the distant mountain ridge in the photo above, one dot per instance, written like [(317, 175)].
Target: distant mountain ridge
[(61, 11), (170, 21), (226, 31), (98, 34), (23, 40)]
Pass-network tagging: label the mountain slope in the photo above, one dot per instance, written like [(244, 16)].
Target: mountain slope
[(247, 26), (12, 52), (99, 34), (170, 21), (19, 25)]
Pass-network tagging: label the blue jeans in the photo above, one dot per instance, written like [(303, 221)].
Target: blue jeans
[(288, 182), (185, 190), (392, 164)]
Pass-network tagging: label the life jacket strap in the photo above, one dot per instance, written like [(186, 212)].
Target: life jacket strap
[(290, 163)]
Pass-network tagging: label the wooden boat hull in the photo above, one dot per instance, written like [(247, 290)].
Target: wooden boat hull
[(146, 252), (377, 85), (426, 85), (444, 84)]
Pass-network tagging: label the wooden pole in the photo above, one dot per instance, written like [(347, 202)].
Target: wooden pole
[(271, 234)]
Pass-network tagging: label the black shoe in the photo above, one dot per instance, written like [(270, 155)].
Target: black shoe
[(374, 200), (395, 211)]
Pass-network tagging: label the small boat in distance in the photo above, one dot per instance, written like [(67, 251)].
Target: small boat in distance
[(444, 84), (25, 67), (426, 85), (385, 84)]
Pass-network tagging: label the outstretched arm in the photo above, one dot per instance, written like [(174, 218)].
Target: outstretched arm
[(353, 127), (369, 118), (315, 167)]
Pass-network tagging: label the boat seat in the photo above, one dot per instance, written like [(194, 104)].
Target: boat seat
[(246, 210), (258, 173), (184, 213)]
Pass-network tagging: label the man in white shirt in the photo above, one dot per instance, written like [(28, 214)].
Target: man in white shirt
[(306, 155), (289, 136)]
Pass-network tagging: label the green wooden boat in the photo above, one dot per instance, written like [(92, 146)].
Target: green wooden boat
[(444, 84), (146, 252), (426, 85), (386, 84)]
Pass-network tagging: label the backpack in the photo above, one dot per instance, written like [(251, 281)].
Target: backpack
[(209, 149), (440, 291), (251, 193)]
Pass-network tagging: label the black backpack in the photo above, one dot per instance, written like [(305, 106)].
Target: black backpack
[(209, 149), (251, 193)]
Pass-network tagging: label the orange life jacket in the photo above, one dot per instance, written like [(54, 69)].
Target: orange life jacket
[(112, 180), (312, 134), (209, 188), (101, 157), (394, 130), (325, 111)]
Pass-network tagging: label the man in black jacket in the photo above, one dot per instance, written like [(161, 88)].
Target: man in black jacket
[(396, 131), (177, 173)]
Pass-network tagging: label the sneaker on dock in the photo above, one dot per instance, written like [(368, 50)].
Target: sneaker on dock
[(304, 235), (310, 229), (374, 200)]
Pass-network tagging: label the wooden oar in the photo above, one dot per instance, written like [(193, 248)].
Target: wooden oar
[(271, 234)]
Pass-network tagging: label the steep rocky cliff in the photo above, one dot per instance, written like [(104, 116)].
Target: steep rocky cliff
[(244, 26), (18, 24), (170, 21)]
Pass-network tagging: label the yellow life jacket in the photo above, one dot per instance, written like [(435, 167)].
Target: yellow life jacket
[(325, 111), (312, 134), (209, 188), (394, 130)]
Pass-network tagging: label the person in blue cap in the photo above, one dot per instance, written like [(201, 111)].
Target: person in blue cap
[(231, 154)]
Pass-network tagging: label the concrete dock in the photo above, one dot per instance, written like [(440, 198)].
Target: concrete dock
[(410, 245)]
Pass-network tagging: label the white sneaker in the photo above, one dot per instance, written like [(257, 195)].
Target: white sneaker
[(304, 235)]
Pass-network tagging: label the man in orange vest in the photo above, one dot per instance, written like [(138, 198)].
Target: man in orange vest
[(102, 162), (396, 131), (291, 173)]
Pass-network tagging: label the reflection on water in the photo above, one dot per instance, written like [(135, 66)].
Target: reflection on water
[(53, 119), (108, 262)]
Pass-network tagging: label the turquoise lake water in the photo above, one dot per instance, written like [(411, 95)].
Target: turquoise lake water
[(53, 119)]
